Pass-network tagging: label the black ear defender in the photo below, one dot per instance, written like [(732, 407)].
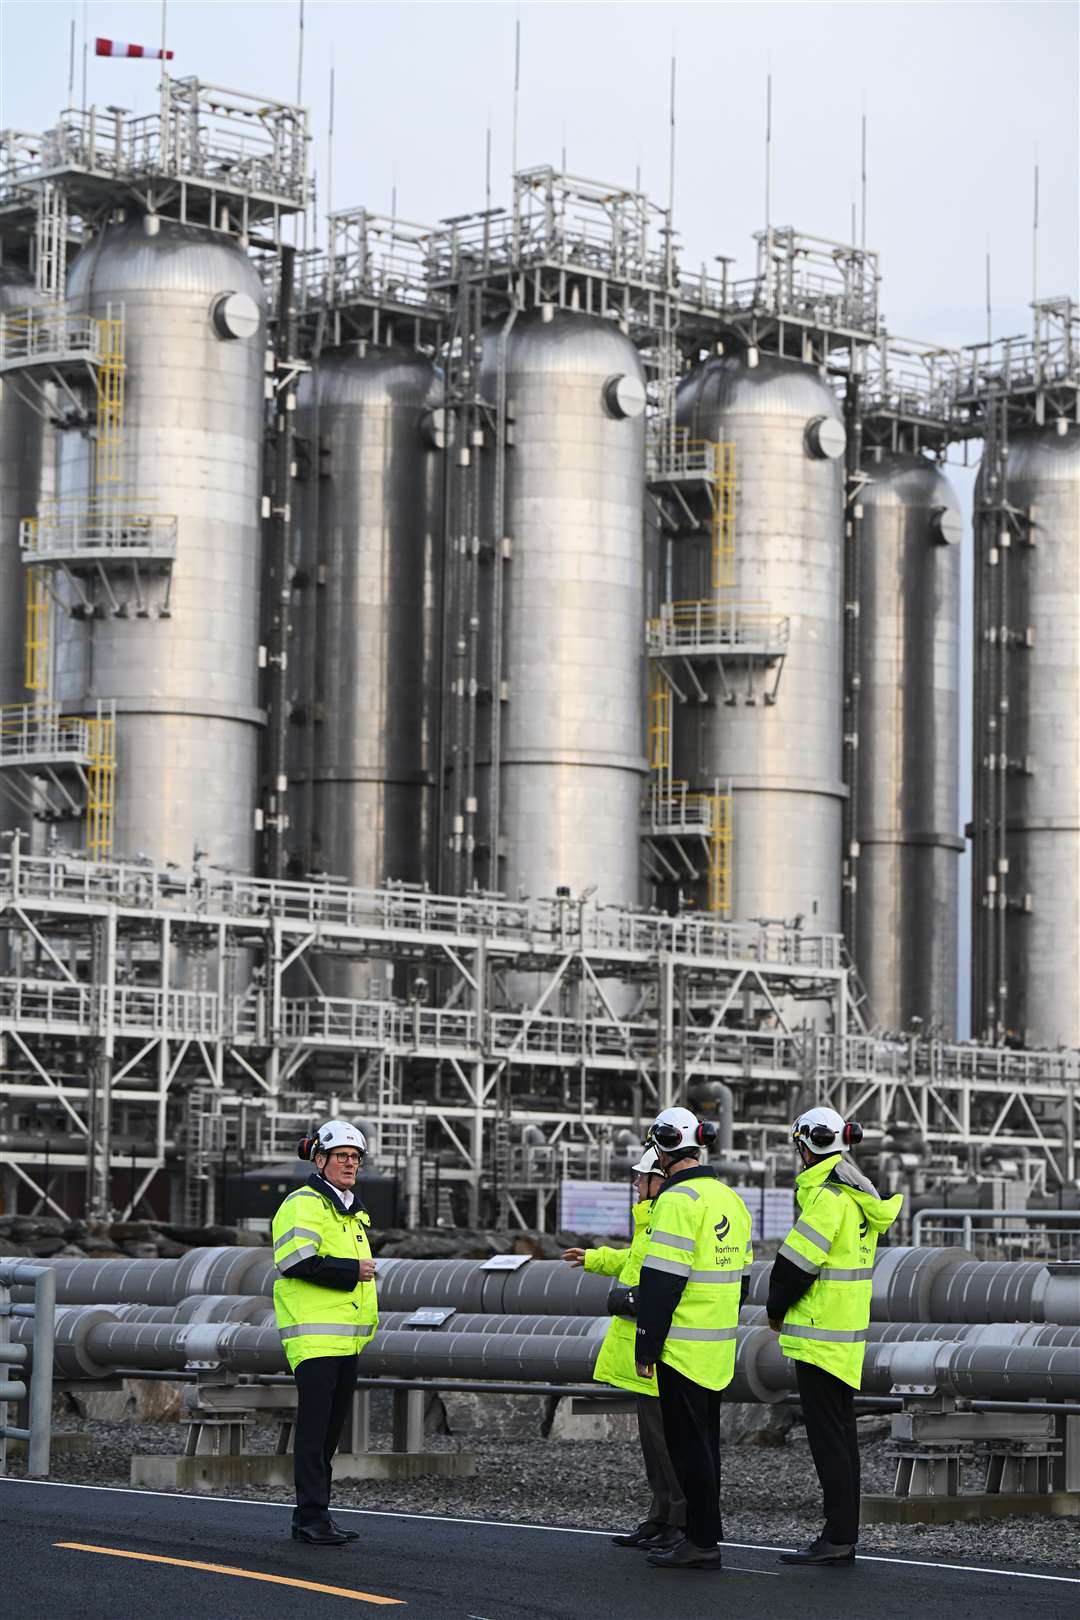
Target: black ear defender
[(852, 1133), (707, 1133), (306, 1147), (666, 1137), (822, 1137)]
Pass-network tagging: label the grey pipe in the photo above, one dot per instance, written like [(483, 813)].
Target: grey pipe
[(42, 1283), (910, 1285), (90, 1343)]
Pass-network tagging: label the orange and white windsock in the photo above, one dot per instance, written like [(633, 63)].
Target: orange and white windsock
[(119, 47)]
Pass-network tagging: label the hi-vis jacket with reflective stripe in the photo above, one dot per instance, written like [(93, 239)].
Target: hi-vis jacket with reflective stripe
[(615, 1363), (697, 1255), (322, 1307), (833, 1244)]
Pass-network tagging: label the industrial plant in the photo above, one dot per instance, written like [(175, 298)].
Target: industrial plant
[(494, 679)]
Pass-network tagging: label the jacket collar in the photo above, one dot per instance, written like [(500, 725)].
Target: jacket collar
[(320, 1185), (688, 1175), (815, 1174), (641, 1213)]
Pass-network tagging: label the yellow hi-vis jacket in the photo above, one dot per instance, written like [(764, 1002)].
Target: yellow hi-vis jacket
[(322, 1307), (615, 1363), (834, 1241), (701, 1239)]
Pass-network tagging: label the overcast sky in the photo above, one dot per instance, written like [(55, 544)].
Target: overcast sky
[(961, 102)]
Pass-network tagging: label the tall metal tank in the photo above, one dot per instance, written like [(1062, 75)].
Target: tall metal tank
[(909, 742), (367, 684), (21, 450), (185, 684), (782, 758), (1043, 796), (572, 723)]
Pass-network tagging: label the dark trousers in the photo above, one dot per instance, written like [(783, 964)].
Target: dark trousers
[(324, 1388), (828, 1408), (668, 1501), (691, 1416)]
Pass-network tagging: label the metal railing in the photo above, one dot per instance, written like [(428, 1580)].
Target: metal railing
[(96, 531), (40, 734), (705, 628), (38, 1435), (672, 454), (50, 335), (200, 132), (1002, 1234), (517, 927)]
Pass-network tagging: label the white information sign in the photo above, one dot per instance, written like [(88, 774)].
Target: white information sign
[(598, 1207), (772, 1210)]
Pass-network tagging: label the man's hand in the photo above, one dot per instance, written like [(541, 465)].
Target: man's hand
[(367, 1270), (777, 1327), (574, 1257), (644, 1369)]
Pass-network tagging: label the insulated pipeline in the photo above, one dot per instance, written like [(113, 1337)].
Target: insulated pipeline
[(909, 1285), (90, 1343)]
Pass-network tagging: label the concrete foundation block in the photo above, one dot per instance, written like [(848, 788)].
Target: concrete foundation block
[(970, 1505), (213, 1474)]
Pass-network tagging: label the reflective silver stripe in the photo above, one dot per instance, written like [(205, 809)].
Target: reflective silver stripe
[(332, 1330), (295, 1232), (673, 1240), (712, 1335), (717, 1276), (800, 1260), (838, 1274), (825, 1335), (834, 1190), (291, 1261), (301, 1192), (805, 1230), (676, 1267), (687, 1192)]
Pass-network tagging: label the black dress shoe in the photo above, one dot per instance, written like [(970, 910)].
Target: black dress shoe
[(664, 1539), (684, 1555), (350, 1535), (646, 1532), (821, 1552), (319, 1535)]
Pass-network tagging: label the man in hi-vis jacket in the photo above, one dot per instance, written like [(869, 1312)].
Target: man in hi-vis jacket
[(324, 1302)]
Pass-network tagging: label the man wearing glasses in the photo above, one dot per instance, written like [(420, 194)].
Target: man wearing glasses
[(324, 1301)]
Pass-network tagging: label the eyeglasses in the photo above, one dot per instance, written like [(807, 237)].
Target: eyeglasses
[(345, 1158)]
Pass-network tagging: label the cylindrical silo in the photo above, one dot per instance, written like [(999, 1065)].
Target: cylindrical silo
[(366, 683), (181, 658), (1042, 612), (21, 444), (572, 627), (777, 743), (908, 755)]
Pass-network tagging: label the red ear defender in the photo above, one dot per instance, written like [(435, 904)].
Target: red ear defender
[(706, 1133), (853, 1133), (305, 1147)]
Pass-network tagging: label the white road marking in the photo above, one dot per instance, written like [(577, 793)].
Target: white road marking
[(550, 1529)]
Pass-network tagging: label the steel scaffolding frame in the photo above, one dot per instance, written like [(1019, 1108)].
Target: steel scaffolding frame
[(141, 1000)]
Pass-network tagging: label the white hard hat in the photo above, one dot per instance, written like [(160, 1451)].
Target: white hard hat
[(678, 1128), (825, 1131), (334, 1134), (648, 1164)]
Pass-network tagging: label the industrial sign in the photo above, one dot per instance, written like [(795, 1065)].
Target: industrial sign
[(600, 1207)]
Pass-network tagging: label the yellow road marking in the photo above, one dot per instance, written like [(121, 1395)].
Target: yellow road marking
[(228, 1569)]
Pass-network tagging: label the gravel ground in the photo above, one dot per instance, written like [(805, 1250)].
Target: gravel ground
[(770, 1494)]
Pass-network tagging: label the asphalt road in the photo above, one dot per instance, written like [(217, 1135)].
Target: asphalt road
[(104, 1554)]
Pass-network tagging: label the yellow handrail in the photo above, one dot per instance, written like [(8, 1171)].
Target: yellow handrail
[(109, 380), (36, 651), (101, 781)]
